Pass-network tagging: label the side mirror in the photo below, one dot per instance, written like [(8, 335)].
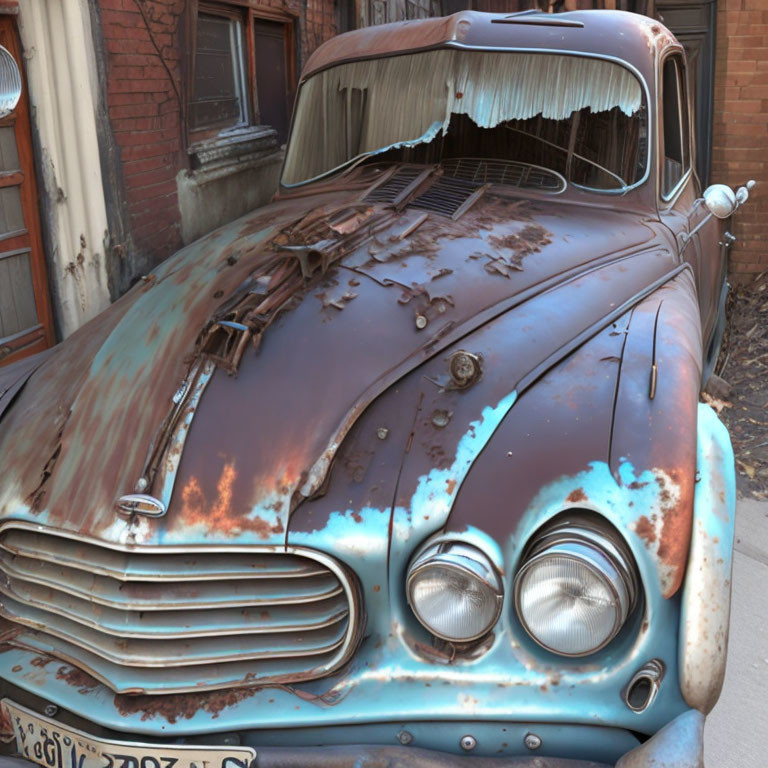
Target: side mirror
[(720, 200), (10, 83)]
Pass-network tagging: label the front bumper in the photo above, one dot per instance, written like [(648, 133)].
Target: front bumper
[(678, 745)]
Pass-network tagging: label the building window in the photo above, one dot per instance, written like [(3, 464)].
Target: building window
[(243, 72), (219, 96)]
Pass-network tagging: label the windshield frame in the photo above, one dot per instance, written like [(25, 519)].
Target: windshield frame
[(354, 161)]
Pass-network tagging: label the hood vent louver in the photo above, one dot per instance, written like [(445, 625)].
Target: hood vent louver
[(393, 188), (449, 196)]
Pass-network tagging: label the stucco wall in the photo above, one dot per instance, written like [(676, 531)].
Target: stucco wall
[(61, 76)]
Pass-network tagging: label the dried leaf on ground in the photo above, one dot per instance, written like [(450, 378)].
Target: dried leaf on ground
[(743, 363)]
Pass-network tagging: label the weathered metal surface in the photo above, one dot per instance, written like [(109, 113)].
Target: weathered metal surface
[(625, 36), (664, 331), (706, 599), (342, 416)]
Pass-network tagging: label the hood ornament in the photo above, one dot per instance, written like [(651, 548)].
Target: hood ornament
[(141, 504)]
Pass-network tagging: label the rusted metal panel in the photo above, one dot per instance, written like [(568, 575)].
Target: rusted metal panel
[(706, 598), (629, 37), (658, 397)]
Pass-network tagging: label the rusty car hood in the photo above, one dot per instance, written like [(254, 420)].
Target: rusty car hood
[(390, 297)]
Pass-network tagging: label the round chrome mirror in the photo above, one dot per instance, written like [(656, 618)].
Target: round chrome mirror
[(10, 83), (720, 200)]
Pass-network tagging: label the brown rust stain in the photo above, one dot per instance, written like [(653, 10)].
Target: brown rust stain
[(180, 706), (219, 514), (6, 725), (675, 531), (645, 529), (77, 679), (576, 496)]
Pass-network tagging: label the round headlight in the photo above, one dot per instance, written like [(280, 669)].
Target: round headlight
[(576, 587), (455, 591)]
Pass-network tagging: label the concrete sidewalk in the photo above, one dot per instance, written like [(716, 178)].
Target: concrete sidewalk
[(736, 733)]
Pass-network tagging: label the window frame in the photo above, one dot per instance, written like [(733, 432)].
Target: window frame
[(686, 128), (246, 12)]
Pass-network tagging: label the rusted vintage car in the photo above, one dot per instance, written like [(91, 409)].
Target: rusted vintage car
[(410, 466)]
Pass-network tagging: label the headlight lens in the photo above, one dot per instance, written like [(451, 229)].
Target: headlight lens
[(455, 591), (576, 587)]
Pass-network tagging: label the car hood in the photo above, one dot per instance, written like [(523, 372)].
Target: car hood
[(398, 288)]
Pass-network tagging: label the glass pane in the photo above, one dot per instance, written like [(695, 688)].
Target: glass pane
[(18, 311), (272, 75), (9, 156), (673, 149), (11, 216), (218, 99)]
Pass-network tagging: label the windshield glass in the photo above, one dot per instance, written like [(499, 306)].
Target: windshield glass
[(581, 117)]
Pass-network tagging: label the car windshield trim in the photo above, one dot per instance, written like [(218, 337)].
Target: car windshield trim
[(352, 162)]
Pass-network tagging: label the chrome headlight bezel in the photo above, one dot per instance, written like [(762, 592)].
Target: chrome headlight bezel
[(466, 559), (595, 544)]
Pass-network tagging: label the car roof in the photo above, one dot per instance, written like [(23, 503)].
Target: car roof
[(629, 37)]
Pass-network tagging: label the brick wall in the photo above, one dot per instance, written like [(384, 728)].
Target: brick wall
[(740, 130), (142, 41)]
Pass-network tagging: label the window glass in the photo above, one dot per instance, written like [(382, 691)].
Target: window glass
[(270, 46), (218, 99), (675, 116), (9, 156), (11, 214), (17, 294), (581, 117)]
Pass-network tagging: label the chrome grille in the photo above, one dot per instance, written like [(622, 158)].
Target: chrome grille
[(163, 619)]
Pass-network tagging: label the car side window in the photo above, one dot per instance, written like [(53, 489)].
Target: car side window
[(677, 150)]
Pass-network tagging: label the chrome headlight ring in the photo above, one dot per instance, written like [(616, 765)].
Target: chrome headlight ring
[(577, 585), (455, 591)]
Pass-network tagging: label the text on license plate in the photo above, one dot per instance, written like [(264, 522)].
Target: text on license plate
[(53, 745)]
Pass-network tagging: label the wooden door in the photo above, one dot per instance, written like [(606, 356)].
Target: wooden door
[(26, 323)]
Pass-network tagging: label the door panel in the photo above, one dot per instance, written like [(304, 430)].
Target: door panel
[(25, 313)]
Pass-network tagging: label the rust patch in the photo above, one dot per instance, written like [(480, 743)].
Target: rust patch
[(219, 514), (574, 497), (6, 726), (675, 532), (42, 661), (180, 706), (645, 530), (77, 679)]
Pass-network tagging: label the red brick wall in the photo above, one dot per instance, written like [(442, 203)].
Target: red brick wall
[(142, 43), (142, 51), (740, 130)]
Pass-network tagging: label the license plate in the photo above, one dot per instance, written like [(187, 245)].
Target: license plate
[(53, 745)]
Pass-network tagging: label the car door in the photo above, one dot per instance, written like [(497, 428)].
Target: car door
[(700, 236)]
